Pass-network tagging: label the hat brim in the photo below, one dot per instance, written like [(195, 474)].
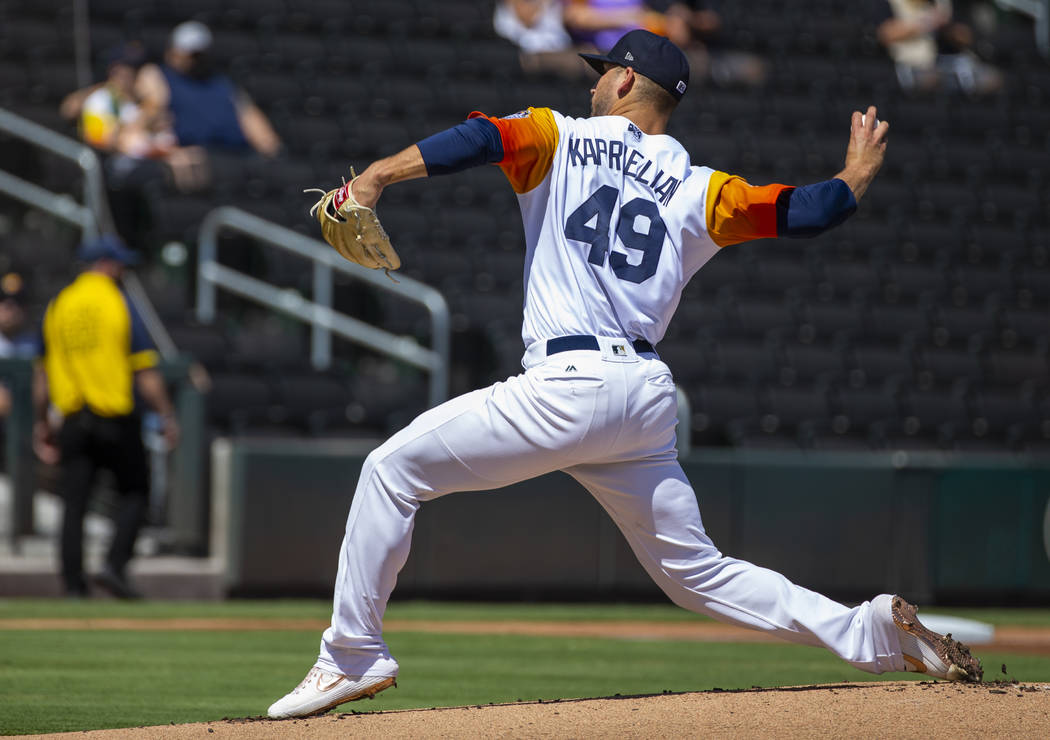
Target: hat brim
[(597, 60), (128, 258), (123, 255)]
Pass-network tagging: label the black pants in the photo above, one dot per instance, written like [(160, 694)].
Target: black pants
[(89, 442)]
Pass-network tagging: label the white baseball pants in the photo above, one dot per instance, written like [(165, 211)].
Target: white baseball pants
[(608, 419)]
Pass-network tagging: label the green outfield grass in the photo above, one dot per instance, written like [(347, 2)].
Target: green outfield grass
[(66, 680)]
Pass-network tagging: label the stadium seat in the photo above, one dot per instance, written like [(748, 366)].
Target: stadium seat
[(757, 317), (936, 410), (849, 276), (878, 363), (813, 362), (1030, 324), (905, 320), (830, 322), (797, 404), (1010, 368), (715, 405), (1006, 414), (765, 433), (238, 401), (775, 275), (271, 345), (205, 343), (386, 401), (744, 359), (965, 323), (915, 279), (951, 364), (312, 401), (863, 405), (981, 281), (689, 361)]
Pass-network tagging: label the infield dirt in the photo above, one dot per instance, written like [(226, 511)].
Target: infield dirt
[(897, 709)]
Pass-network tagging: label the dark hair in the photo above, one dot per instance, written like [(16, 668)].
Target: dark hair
[(655, 95), (131, 54)]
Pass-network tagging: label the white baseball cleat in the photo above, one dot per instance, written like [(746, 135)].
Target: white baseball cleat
[(925, 651), (322, 690)]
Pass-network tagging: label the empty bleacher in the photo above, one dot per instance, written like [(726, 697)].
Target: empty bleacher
[(922, 323)]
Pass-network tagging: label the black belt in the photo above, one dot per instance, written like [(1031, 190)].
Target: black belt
[(586, 341)]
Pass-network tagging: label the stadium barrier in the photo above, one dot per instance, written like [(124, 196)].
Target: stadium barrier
[(935, 527)]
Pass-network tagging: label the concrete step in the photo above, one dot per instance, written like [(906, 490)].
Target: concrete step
[(163, 577), (30, 567)]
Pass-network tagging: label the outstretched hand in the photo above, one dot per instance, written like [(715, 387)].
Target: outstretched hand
[(866, 150)]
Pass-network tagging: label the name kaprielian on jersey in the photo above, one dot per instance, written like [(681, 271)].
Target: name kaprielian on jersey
[(616, 155)]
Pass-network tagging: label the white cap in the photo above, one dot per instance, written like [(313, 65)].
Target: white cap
[(191, 37)]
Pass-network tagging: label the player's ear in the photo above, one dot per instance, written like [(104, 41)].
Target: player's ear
[(627, 79)]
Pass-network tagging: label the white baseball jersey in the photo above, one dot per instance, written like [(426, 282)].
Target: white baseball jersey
[(616, 222)]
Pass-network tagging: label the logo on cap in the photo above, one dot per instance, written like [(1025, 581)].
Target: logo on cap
[(629, 57), (680, 87)]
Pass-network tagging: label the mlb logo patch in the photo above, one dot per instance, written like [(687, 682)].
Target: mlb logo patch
[(619, 350)]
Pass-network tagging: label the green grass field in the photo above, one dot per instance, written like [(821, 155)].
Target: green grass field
[(62, 680)]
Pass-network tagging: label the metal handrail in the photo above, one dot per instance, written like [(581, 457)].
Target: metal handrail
[(83, 156), (318, 312)]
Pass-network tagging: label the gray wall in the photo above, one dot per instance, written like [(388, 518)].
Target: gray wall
[(931, 527)]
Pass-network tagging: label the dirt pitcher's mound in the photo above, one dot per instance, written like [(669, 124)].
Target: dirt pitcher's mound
[(900, 710)]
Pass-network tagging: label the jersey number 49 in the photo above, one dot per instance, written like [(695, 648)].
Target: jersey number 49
[(598, 210)]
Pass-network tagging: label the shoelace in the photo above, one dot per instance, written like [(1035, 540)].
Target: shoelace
[(309, 676)]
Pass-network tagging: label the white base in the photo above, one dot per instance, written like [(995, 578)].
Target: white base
[(968, 631)]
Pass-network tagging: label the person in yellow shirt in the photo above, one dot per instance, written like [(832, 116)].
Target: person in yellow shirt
[(97, 355)]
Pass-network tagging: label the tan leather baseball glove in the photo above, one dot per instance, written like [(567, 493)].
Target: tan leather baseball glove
[(354, 230)]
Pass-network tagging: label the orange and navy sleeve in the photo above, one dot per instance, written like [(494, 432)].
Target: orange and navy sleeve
[(739, 212), (522, 145), (529, 141)]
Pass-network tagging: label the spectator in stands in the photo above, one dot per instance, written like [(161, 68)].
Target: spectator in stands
[(14, 341), (598, 24), (536, 28), (109, 107), (139, 151), (96, 355), (206, 108), (108, 114), (931, 49), (698, 28)]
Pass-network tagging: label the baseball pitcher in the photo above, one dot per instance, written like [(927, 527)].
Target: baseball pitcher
[(617, 220)]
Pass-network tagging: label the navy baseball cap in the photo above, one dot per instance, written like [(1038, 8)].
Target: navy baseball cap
[(107, 247), (130, 54), (650, 55)]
